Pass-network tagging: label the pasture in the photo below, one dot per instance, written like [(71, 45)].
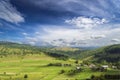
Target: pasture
[(34, 67)]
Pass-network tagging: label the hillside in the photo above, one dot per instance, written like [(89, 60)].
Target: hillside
[(108, 53), (26, 62), (10, 48)]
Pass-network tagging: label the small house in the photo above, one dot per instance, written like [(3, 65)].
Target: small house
[(105, 66)]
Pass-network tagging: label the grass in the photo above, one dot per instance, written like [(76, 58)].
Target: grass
[(15, 67)]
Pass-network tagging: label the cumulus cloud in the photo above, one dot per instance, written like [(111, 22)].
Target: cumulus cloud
[(30, 39), (97, 36), (9, 13), (87, 23), (25, 34), (85, 32), (64, 36), (93, 28), (115, 40), (32, 43)]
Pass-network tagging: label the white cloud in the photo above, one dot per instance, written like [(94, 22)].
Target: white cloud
[(64, 36), (37, 33), (32, 43), (25, 34), (100, 8), (115, 40), (31, 39), (10, 13), (89, 32), (97, 36), (87, 23)]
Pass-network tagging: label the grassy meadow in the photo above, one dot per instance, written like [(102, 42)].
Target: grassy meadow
[(14, 67), (25, 62)]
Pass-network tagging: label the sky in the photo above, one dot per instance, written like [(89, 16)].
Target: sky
[(74, 23)]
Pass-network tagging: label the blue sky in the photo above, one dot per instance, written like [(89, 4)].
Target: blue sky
[(60, 22)]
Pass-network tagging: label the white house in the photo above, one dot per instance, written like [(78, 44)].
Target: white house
[(105, 66)]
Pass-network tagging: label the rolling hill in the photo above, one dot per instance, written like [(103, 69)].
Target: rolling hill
[(108, 53), (44, 63), (10, 48)]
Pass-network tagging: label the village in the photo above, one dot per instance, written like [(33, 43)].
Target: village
[(81, 67)]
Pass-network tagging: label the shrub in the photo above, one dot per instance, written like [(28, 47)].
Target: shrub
[(54, 64), (4, 73), (76, 61), (62, 71), (92, 77), (25, 76)]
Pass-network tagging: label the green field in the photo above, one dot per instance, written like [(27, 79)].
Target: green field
[(15, 67)]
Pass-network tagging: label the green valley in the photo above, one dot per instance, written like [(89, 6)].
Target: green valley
[(25, 62)]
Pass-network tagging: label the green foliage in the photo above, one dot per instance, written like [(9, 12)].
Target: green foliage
[(109, 54), (9, 48), (71, 53), (54, 64), (76, 61), (58, 56), (103, 55), (62, 71), (25, 76), (17, 61), (105, 77), (73, 72)]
